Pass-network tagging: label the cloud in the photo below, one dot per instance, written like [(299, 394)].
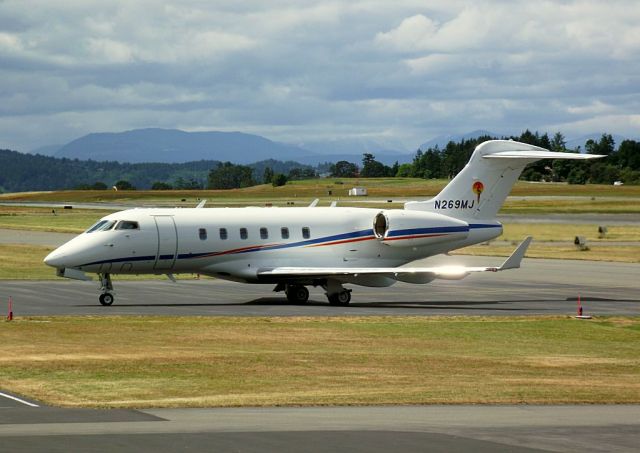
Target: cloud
[(303, 70)]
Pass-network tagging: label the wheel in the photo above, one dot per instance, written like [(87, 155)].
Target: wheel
[(297, 294), (342, 298), (106, 299)]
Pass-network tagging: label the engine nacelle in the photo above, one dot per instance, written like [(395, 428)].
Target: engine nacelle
[(399, 228)]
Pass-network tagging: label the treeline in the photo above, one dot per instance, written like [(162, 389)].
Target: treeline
[(622, 164), (25, 172)]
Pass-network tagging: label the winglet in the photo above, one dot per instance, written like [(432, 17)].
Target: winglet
[(201, 204), (513, 262), (314, 203)]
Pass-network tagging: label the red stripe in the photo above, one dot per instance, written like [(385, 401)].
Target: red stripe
[(345, 241)]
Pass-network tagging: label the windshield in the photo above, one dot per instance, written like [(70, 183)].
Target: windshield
[(102, 225), (127, 225)]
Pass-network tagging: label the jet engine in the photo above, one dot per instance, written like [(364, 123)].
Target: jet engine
[(398, 228)]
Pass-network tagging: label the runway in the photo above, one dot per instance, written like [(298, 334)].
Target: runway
[(322, 429), (544, 287)]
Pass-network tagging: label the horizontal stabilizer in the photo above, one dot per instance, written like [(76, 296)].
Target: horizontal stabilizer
[(513, 262), (543, 154)]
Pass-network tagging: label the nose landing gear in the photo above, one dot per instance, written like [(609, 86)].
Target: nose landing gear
[(106, 298)]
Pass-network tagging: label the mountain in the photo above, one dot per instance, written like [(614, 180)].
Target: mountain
[(48, 150), (442, 140), (354, 146), (172, 145)]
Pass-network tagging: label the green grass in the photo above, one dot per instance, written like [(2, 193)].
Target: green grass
[(209, 361), (42, 219), (318, 188)]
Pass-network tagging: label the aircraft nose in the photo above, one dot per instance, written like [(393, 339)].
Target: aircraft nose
[(55, 259)]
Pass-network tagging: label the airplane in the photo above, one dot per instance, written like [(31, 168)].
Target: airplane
[(297, 247)]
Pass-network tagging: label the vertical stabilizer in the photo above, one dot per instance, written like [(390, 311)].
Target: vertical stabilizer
[(480, 189)]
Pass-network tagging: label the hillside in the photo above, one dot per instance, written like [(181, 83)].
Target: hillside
[(27, 172)]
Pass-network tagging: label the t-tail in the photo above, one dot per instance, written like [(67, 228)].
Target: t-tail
[(477, 193)]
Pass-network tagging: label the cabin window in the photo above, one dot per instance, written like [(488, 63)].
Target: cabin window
[(102, 225), (284, 232), (243, 233), (127, 225), (202, 234), (223, 234), (264, 233), (306, 232)]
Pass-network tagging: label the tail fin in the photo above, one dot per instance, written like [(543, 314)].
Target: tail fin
[(479, 190)]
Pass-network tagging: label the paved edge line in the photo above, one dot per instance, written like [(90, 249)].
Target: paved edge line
[(15, 398)]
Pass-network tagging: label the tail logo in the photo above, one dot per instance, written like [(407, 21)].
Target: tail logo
[(477, 188)]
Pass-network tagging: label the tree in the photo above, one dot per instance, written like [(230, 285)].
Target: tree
[(267, 176), (404, 171), (301, 173), (159, 185), (124, 185), (629, 154), (279, 180), (190, 184), (230, 176), (605, 146), (371, 168), (344, 169)]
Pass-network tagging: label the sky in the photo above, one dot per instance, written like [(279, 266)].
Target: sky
[(298, 71)]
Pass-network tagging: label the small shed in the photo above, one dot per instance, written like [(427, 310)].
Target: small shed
[(358, 192)]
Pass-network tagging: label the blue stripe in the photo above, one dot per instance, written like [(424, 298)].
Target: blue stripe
[(475, 226), (435, 230), (122, 260)]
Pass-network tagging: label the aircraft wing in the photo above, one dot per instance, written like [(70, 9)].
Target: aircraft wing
[(404, 274)]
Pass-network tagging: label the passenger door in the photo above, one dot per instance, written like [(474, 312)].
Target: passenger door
[(167, 243)]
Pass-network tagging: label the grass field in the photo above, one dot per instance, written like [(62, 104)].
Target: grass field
[(319, 188), (194, 361)]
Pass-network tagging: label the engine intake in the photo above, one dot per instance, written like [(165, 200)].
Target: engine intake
[(399, 228)]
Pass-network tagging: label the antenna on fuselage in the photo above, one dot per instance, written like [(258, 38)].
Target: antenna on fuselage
[(201, 204), (314, 203)]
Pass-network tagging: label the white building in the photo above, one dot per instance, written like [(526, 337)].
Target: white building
[(358, 192)]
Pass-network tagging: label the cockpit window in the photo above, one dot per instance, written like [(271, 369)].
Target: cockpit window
[(127, 225), (102, 225)]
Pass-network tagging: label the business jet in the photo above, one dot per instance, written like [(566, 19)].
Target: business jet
[(297, 247)]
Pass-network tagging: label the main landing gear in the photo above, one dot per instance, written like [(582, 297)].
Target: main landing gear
[(106, 298), (336, 294), (297, 294)]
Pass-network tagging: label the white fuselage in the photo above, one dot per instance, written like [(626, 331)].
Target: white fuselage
[(213, 241)]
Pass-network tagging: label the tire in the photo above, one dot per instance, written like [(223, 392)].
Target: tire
[(297, 294), (342, 298), (106, 299)]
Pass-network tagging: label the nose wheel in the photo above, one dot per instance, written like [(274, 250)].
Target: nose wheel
[(106, 298)]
